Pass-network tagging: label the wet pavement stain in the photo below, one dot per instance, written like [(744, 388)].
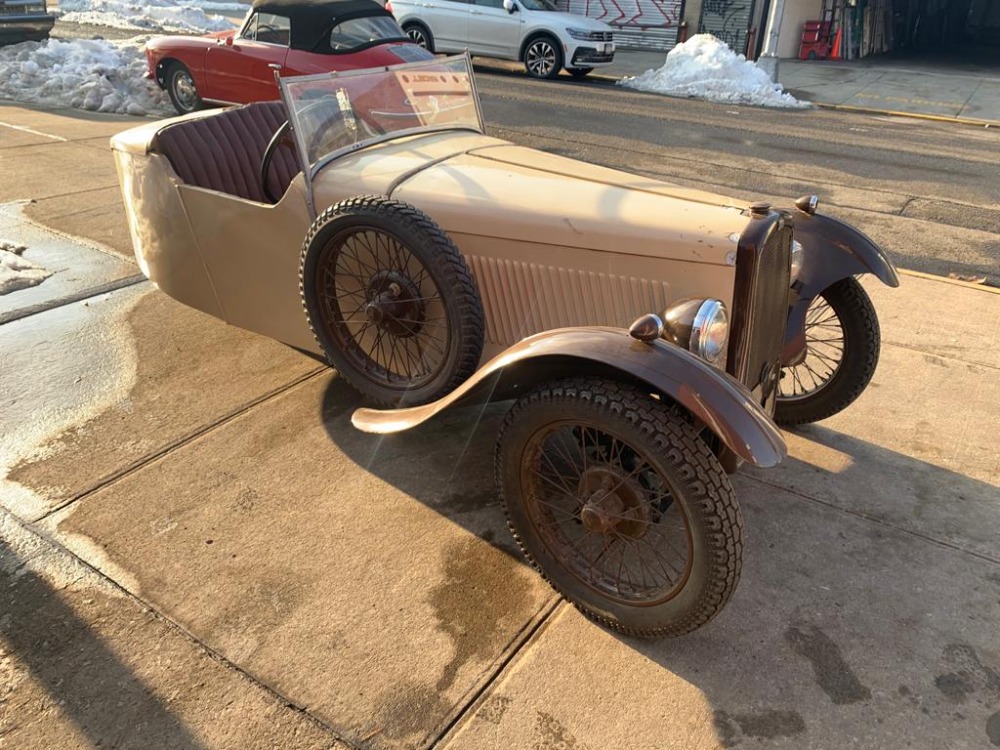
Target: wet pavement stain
[(993, 728), (494, 709), (968, 675), (955, 687), (485, 595), (832, 672), (759, 725), (553, 735), (406, 715)]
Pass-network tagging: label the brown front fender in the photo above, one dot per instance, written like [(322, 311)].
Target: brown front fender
[(832, 250), (713, 397)]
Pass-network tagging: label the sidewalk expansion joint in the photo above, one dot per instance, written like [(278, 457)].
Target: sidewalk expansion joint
[(69, 299), (474, 697), (56, 546), (876, 520), (180, 442)]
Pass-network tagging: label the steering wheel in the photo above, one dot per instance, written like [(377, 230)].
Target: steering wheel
[(280, 137)]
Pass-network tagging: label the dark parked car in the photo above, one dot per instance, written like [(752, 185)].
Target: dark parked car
[(24, 21)]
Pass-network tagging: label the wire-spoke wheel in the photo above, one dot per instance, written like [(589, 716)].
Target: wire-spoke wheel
[(182, 89), (391, 301), (543, 57), (842, 348), (612, 495)]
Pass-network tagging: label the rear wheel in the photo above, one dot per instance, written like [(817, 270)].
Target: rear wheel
[(842, 349), (543, 57), (622, 507), (182, 89), (419, 35), (391, 301)]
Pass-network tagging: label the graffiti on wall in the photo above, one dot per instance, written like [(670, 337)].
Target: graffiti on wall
[(728, 20)]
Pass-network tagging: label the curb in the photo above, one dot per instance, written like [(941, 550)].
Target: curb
[(914, 115), (948, 280), (861, 110)]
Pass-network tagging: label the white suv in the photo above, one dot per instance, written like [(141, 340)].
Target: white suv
[(531, 31)]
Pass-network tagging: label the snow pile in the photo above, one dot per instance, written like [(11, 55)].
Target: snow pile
[(704, 67), (97, 75), (16, 272), (154, 15)]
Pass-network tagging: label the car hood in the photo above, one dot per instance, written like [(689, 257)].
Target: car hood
[(568, 20), (480, 188), (508, 192)]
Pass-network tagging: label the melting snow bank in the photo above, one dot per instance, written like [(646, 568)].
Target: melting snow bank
[(154, 15), (16, 272), (704, 67), (97, 75)]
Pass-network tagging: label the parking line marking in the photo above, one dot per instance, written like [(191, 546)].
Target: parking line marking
[(33, 132)]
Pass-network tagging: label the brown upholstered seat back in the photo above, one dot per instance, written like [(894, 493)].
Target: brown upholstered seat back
[(223, 151)]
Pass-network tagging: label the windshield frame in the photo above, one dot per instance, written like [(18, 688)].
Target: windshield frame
[(311, 170)]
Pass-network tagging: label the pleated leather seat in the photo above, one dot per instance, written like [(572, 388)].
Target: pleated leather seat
[(223, 152)]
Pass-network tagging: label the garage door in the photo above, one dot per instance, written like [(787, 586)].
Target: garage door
[(638, 24)]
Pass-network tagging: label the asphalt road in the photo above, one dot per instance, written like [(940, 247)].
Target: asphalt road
[(929, 192)]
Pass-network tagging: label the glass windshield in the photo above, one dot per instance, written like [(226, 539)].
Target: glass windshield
[(359, 32), (333, 113)]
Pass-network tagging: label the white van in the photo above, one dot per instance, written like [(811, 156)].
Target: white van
[(531, 31)]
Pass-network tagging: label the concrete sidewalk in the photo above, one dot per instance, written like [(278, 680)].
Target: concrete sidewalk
[(197, 550)]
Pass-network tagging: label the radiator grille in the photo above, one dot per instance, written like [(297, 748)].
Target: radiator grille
[(761, 310), (520, 299)]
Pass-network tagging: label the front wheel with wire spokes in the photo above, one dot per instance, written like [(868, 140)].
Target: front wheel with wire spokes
[(391, 301), (619, 503), (842, 349)]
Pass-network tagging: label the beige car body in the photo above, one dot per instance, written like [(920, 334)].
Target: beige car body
[(552, 242)]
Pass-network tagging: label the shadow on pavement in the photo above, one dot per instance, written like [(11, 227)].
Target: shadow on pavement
[(843, 620), (106, 701)]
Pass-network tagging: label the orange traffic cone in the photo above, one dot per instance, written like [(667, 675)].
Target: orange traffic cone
[(835, 49)]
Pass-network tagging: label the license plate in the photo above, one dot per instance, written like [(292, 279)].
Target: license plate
[(607, 47)]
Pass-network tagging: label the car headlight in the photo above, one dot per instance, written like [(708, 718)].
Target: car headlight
[(700, 326), (710, 332), (798, 255), (583, 34)]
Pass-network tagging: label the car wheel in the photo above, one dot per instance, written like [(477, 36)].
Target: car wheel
[(616, 500), (579, 72), (543, 57), (842, 349), (419, 35), (182, 89), (391, 301)]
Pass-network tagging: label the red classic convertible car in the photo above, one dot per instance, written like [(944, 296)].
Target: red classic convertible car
[(292, 37)]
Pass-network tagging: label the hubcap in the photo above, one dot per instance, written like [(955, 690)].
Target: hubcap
[(394, 304), (541, 58), (614, 503), (186, 91), (417, 37)]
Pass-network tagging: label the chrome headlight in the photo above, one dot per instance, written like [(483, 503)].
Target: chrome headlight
[(700, 326), (798, 255), (710, 332)]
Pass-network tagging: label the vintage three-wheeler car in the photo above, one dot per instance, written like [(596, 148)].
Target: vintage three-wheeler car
[(646, 332)]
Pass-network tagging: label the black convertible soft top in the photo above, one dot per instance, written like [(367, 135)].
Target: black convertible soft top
[(313, 19)]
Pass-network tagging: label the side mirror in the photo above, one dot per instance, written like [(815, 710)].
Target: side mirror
[(229, 41), (509, 6)]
